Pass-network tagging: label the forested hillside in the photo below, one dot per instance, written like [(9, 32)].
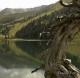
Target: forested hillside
[(17, 23), (13, 20), (41, 25)]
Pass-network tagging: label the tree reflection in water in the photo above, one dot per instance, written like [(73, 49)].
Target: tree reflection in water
[(24, 53)]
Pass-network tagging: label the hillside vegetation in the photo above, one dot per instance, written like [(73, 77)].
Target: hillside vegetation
[(39, 25), (17, 21)]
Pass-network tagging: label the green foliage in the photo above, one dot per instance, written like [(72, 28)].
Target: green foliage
[(19, 20), (39, 25)]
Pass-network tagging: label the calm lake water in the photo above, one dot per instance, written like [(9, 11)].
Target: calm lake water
[(19, 58)]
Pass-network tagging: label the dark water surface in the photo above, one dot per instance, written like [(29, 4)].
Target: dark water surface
[(19, 58)]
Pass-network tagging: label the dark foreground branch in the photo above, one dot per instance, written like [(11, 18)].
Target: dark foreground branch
[(38, 68)]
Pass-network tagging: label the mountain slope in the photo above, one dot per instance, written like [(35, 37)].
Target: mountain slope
[(20, 20), (7, 11), (34, 28), (12, 14)]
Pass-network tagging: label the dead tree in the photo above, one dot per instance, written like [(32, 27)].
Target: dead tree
[(57, 66), (64, 30)]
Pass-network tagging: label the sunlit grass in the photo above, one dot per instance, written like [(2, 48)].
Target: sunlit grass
[(1, 37)]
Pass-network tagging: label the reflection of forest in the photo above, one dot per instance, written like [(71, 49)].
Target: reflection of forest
[(35, 48), (12, 56), (24, 53), (32, 47)]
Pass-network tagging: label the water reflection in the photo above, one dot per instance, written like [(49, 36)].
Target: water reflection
[(18, 63), (32, 47), (24, 54), (20, 73), (12, 55), (19, 58)]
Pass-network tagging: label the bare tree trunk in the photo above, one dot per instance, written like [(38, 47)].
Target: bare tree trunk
[(62, 32), (56, 65)]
